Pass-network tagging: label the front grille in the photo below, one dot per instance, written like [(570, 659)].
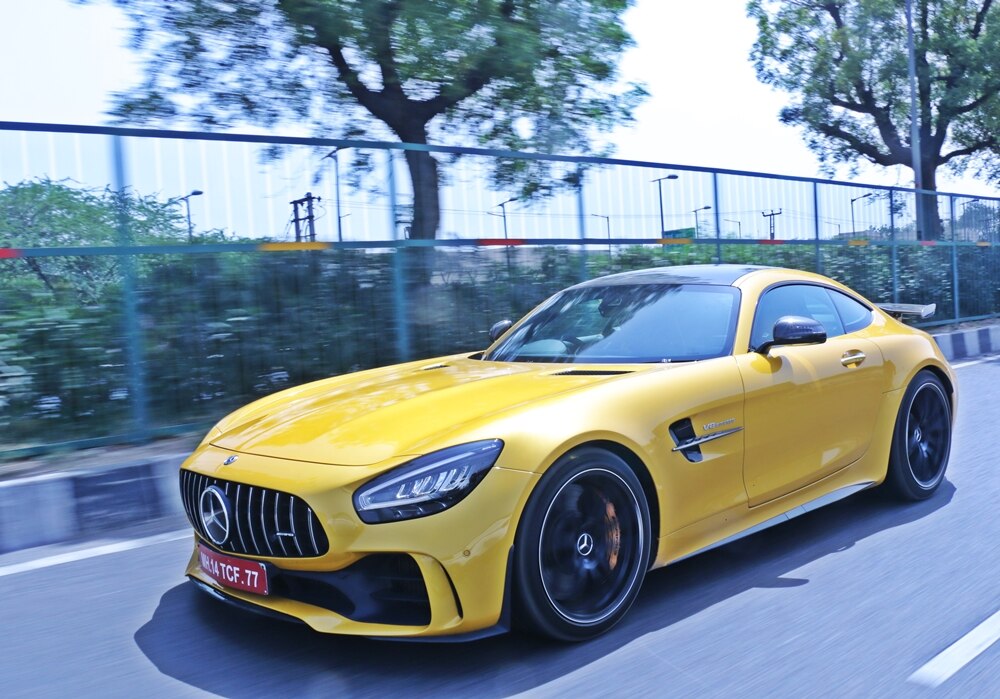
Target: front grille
[(263, 522)]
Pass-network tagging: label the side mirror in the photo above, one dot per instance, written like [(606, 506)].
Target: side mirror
[(499, 329), (795, 330)]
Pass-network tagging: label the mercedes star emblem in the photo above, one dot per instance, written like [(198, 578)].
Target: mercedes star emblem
[(214, 507)]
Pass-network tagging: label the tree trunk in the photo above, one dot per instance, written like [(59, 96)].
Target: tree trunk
[(424, 178), (928, 219), (426, 199)]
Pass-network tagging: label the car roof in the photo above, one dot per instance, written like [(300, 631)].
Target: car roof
[(719, 275)]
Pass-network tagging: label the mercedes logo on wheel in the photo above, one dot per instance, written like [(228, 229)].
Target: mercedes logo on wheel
[(214, 510), (584, 544)]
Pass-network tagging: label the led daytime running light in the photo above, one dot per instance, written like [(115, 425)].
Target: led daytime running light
[(428, 484)]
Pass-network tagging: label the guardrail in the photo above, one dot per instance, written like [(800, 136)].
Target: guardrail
[(123, 342)]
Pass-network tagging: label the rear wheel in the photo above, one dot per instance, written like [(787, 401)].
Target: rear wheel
[(582, 547), (921, 441)]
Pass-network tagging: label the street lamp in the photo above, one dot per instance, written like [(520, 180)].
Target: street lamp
[(695, 212), (503, 212), (738, 224), (966, 203), (659, 187), (863, 196), (607, 220), (187, 207)]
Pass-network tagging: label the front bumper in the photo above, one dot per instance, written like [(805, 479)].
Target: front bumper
[(437, 575)]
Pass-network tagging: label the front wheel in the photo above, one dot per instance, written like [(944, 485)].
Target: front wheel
[(921, 441), (582, 547)]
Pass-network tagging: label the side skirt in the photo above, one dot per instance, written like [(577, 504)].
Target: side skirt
[(819, 502)]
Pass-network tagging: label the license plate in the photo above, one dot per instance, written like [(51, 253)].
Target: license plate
[(249, 576)]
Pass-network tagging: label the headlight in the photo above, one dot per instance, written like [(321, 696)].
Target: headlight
[(427, 484)]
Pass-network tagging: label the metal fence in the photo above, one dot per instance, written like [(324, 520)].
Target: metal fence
[(110, 340)]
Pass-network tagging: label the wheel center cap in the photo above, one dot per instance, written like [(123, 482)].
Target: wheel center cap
[(917, 434), (584, 544)]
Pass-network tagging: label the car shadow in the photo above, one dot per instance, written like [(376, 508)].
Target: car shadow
[(208, 645)]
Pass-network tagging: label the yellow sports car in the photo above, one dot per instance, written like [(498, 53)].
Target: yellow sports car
[(626, 423)]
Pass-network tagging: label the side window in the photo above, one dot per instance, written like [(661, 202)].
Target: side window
[(794, 300), (854, 315)]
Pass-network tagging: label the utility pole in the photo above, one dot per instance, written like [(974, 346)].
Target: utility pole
[(309, 218), (770, 219), (336, 185)]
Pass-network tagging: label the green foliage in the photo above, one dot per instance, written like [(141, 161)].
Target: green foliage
[(47, 214), (845, 65), (510, 74), (219, 330)]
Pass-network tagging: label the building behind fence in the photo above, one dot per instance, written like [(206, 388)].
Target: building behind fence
[(292, 264)]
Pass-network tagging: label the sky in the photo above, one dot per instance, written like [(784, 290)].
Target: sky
[(706, 108)]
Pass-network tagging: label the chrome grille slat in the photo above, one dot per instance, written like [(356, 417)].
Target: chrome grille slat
[(236, 518), (256, 525), (263, 523), (253, 536), (277, 528), (291, 521), (312, 534)]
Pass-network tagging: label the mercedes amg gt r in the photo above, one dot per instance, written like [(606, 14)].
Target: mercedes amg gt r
[(626, 423)]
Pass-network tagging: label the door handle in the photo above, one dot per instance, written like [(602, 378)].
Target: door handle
[(852, 357)]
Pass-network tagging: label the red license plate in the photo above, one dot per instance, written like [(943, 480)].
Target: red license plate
[(249, 576)]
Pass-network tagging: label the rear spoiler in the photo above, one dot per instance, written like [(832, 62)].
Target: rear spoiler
[(908, 310)]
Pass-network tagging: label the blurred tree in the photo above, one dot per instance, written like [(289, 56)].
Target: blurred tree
[(845, 63), (47, 214), (515, 74)]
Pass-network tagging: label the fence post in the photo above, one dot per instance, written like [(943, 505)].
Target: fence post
[(134, 359), (895, 246), (718, 217), (954, 256), (398, 268), (819, 254), (581, 224)]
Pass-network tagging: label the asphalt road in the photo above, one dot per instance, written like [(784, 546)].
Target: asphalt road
[(850, 600)]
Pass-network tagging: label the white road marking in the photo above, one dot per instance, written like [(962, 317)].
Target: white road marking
[(959, 654), (93, 552), (990, 358)]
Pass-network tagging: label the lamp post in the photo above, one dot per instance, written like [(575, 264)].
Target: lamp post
[(334, 155), (918, 178), (659, 188), (739, 226), (695, 212), (607, 220), (503, 212), (863, 196), (187, 208)]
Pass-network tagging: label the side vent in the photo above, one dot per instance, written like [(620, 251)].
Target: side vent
[(591, 372), (433, 366), (682, 433)]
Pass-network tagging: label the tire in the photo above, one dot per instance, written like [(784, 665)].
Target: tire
[(921, 441), (582, 548)]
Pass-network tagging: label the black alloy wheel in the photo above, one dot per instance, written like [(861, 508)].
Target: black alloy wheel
[(583, 547), (921, 442)]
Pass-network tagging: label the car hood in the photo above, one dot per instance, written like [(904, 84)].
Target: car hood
[(385, 413)]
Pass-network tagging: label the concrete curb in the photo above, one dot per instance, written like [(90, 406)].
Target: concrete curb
[(968, 344), (59, 507)]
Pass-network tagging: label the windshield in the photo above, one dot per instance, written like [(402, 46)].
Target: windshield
[(625, 323)]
